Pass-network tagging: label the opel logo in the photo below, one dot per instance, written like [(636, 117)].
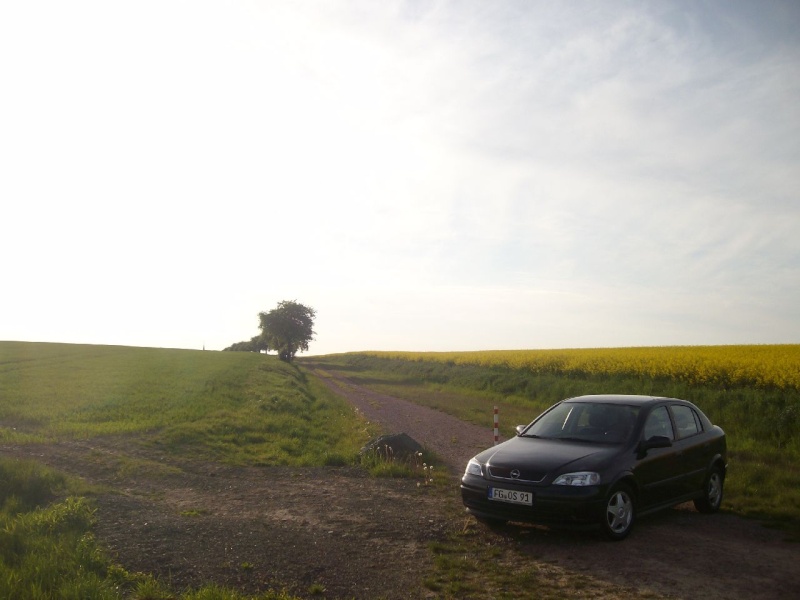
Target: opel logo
[(515, 474)]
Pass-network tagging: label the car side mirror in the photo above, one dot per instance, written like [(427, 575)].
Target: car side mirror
[(520, 429), (657, 441)]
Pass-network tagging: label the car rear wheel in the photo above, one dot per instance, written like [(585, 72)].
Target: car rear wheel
[(619, 513), (711, 499)]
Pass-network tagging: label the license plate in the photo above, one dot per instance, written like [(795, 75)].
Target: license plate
[(511, 496)]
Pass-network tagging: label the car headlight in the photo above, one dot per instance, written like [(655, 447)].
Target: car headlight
[(579, 478), (474, 468)]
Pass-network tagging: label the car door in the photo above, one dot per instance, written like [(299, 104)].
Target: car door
[(692, 448), (658, 471)]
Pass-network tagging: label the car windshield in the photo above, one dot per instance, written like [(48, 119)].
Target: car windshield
[(586, 422)]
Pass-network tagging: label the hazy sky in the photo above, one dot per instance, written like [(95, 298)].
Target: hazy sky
[(426, 175)]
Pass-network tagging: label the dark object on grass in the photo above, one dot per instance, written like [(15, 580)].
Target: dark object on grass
[(397, 445)]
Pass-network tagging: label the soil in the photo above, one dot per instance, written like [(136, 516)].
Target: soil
[(336, 532)]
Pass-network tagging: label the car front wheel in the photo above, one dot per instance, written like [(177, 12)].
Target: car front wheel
[(619, 513), (711, 499)]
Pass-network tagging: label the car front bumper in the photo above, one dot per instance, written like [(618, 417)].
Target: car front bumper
[(567, 506)]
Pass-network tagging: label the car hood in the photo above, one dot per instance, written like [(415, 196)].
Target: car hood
[(536, 458)]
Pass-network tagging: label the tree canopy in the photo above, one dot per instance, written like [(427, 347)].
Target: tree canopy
[(254, 344), (287, 328)]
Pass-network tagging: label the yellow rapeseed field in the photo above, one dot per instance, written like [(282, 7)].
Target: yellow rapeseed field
[(762, 366)]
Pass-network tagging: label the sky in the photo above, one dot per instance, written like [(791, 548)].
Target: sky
[(428, 176)]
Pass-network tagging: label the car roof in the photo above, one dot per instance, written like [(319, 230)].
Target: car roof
[(629, 399)]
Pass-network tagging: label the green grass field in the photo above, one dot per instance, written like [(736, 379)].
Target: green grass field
[(236, 408)]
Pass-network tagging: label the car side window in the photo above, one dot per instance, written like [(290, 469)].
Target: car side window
[(697, 421), (685, 421), (658, 424)]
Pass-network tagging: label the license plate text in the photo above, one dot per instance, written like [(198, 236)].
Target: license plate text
[(512, 496)]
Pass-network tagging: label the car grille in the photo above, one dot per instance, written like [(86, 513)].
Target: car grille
[(525, 475)]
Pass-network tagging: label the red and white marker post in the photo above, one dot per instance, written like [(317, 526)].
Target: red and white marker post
[(496, 427)]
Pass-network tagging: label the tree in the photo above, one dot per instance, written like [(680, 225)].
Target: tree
[(254, 344), (287, 328)]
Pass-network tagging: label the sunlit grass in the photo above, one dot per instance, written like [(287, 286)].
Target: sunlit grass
[(236, 407)]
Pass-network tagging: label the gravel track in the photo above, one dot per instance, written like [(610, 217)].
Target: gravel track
[(452, 440)]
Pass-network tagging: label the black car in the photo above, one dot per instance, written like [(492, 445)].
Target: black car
[(600, 460)]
